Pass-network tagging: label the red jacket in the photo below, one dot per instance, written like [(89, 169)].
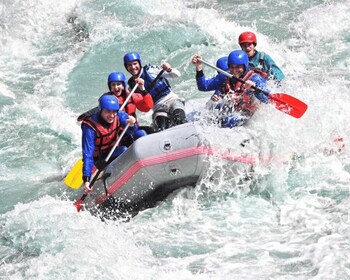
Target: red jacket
[(137, 101)]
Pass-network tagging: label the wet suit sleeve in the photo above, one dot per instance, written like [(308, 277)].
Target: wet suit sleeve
[(174, 73), (273, 68), (88, 147), (214, 83)]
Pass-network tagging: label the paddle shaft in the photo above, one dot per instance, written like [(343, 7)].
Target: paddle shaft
[(93, 111), (131, 93), (98, 171)]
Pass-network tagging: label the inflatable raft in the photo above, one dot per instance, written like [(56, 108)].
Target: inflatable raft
[(159, 163)]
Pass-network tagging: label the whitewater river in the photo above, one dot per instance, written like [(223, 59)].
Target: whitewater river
[(292, 222)]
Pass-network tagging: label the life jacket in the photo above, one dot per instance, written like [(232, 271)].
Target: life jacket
[(241, 101), (261, 66), (159, 90), (106, 137), (130, 107)]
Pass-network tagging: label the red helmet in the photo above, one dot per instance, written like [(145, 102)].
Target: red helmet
[(247, 37)]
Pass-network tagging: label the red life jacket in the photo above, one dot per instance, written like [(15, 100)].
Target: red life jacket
[(130, 107), (105, 137), (137, 101), (242, 102), (259, 71)]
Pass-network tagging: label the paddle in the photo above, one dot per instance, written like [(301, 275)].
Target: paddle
[(79, 204), (74, 177), (283, 102)]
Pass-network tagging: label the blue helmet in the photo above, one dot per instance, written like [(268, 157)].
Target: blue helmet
[(116, 77), (131, 56), (108, 102), (222, 63), (238, 57)]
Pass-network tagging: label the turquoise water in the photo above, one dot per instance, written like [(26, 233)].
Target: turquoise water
[(292, 223)]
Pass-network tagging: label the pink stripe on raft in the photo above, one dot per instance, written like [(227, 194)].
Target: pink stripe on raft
[(171, 156), (158, 159)]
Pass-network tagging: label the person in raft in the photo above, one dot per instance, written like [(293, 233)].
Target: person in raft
[(100, 133), (169, 109), (259, 60), (238, 103)]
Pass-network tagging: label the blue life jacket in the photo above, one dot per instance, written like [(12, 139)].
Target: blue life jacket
[(159, 90)]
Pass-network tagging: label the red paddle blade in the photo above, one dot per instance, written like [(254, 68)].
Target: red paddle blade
[(79, 205), (288, 104)]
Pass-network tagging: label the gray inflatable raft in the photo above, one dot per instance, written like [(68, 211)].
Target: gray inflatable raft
[(159, 163)]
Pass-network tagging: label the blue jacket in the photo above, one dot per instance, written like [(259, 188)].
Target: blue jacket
[(215, 83), (88, 140), (267, 64)]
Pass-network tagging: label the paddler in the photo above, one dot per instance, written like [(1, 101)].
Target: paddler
[(169, 109), (100, 133)]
